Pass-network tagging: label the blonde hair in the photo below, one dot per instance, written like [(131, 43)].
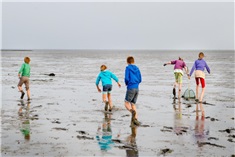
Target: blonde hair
[(130, 60), (103, 67), (201, 55), (27, 60)]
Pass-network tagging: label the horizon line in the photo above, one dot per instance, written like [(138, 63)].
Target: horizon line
[(120, 49)]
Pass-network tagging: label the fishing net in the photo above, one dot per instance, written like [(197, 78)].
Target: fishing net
[(189, 94)]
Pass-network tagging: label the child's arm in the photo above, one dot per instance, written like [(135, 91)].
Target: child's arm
[(97, 83), (119, 85), (193, 68), (21, 70), (98, 88), (167, 63), (116, 79), (140, 77), (113, 76), (208, 69), (127, 76), (186, 70)]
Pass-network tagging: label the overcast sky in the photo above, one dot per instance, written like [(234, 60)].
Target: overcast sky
[(77, 25)]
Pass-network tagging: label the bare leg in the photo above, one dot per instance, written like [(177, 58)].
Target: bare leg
[(202, 94), (28, 94), (22, 92), (110, 101), (128, 106), (20, 88), (197, 89), (179, 92), (104, 96), (134, 108)]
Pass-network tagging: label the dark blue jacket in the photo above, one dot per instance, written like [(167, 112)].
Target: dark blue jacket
[(132, 76)]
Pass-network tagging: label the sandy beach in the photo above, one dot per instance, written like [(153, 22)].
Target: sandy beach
[(65, 116)]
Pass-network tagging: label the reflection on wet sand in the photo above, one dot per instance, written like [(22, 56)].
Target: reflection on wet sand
[(131, 141), (179, 126), (25, 121), (178, 119), (200, 105), (104, 134), (200, 131)]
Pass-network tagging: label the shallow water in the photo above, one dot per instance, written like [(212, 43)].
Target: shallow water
[(70, 101)]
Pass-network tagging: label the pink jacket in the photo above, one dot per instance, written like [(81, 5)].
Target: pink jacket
[(179, 64)]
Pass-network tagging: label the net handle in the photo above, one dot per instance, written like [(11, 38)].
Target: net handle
[(189, 88), (187, 72), (188, 84)]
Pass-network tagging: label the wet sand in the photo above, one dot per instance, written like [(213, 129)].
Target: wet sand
[(66, 118)]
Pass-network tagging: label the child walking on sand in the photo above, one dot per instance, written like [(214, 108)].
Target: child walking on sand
[(24, 74), (199, 65), (105, 77), (178, 71), (132, 81)]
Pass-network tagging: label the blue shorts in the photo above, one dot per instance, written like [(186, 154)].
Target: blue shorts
[(132, 95), (107, 88)]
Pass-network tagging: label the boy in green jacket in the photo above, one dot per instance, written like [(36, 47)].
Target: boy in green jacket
[(24, 74)]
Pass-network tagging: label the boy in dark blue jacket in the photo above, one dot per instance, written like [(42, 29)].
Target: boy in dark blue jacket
[(132, 81)]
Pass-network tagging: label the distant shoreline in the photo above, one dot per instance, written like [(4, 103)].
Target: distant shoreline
[(115, 50), (14, 50)]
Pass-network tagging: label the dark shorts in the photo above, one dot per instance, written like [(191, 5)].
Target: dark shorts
[(107, 88), (132, 95), (24, 80)]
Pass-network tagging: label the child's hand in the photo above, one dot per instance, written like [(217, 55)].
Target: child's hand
[(98, 88), (119, 85), (19, 75), (188, 76)]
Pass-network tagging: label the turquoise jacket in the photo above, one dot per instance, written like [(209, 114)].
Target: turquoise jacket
[(105, 77)]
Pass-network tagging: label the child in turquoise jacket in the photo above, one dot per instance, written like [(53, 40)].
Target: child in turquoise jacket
[(105, 77)]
